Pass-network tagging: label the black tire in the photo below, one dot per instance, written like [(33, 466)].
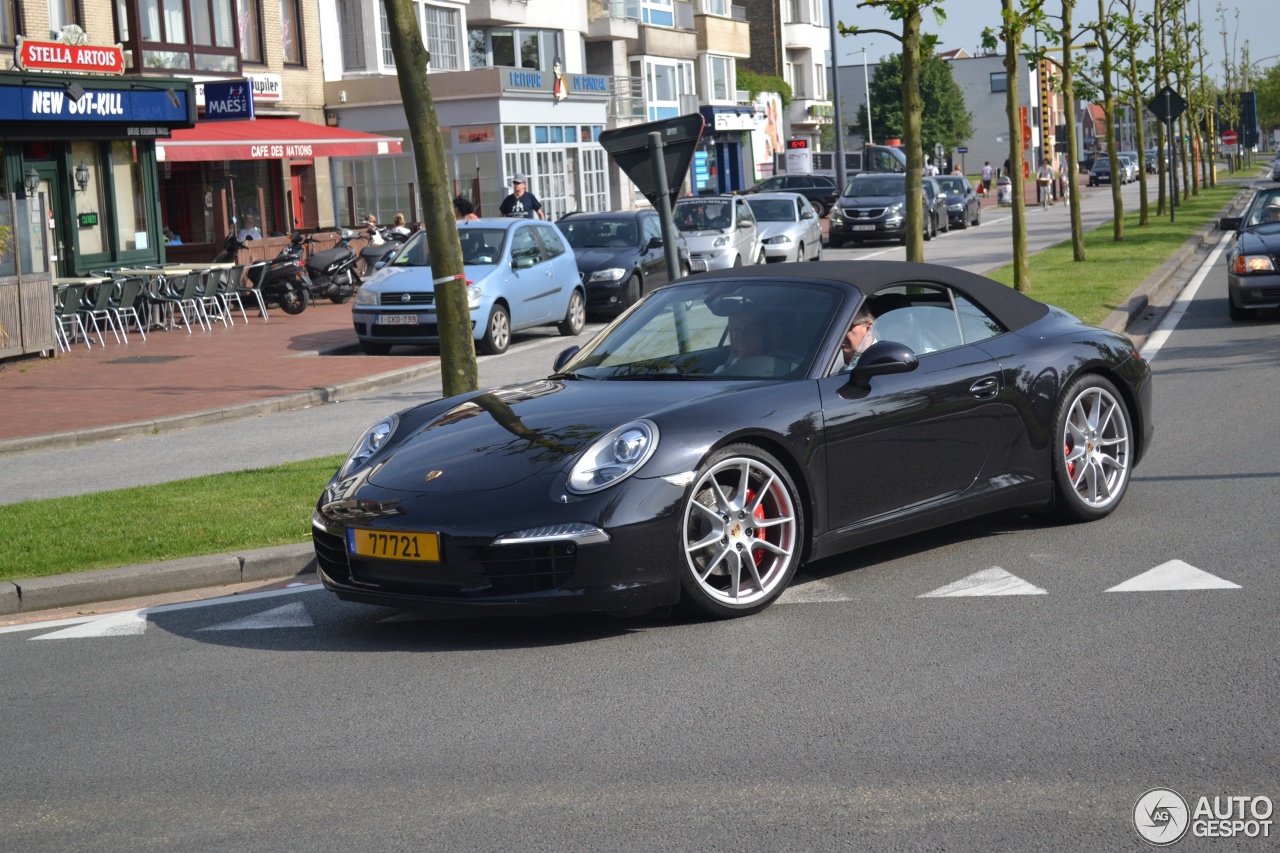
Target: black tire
[(818, 255), (977, 216), (294, 299), (833, 243), (1239, 314), (1093, 450), (631, 293), (575, 317), (338, 300), (719, 527), (372, 348), (737, 261), (761, 259), (800, 253), (497, 332)]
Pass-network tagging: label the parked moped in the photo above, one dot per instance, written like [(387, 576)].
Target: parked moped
[(284, 281)]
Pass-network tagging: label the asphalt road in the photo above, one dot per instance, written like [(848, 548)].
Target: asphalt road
[(873, 708)]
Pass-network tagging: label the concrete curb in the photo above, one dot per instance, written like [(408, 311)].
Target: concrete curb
[(275, 405), (99, 585)]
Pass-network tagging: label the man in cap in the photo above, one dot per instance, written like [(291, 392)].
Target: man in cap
[(521, 204)]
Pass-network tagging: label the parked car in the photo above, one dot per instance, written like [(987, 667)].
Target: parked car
[(935, 206), (699, 468), (873, 206), (520, 274), (1100, 172), (819, 189), (721, 232), (964, 208), (1153, 158), (1253, 282), (789, 227), (620, 256), (1130, 160)]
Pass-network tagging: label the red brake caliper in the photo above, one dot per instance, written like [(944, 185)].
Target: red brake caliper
[(1071, 466), (758, 515)]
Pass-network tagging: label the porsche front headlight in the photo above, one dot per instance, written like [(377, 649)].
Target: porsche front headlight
[(370, 443), (614, 457)]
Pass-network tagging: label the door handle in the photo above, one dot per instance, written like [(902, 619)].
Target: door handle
[(984, 388)]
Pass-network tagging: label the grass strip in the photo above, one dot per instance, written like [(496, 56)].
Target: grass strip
[(1092, 289), (144, 524), (272, 506)]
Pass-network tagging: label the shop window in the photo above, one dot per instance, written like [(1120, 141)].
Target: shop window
[(130, 203), (249, 20), (180, 34), (442, 38), (351, 17), (8, 22), (62, 13), (290, 32)]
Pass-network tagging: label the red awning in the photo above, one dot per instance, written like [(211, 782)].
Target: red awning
[(269, 139)]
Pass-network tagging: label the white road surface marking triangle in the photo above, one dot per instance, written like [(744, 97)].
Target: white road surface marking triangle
[(992, 581), (810, 592), (1173, 575), (290, 616), (115, 625)]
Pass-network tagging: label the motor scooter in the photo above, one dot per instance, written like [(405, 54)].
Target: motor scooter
[(388, 241), (284, 281), (333, 271)]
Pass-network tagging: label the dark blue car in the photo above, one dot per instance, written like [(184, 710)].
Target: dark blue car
[(620, 256)]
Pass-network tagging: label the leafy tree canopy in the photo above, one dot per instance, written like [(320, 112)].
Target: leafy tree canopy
[(756, 83), (1268, 91), (944, 117)]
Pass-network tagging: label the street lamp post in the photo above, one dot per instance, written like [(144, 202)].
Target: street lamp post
[(835, 96)]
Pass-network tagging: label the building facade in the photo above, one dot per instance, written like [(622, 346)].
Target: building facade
[(790, 39)]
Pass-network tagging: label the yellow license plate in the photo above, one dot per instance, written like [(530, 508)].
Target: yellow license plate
[(394, 545)]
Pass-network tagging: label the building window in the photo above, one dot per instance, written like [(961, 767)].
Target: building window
[(155, 34), (477, 45), (442, 38), (720, 72), (129, 197), (351, 20), (658, 13), (62, 13), (716, 7), (290, 32), (820, 84), (999, 81), (665, 82), (799, 81), (249, 20), (388, 58), (512, 48), (8, 22)]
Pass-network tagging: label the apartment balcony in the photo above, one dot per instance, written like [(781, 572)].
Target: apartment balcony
[(678, 42), (626, 100), (725, 36), (809, 112), (497, 12), (805, 37), (611, 20)]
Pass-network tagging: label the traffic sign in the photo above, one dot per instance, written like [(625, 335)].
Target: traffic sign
[(1167, 105), (963, 149), (1229, 137), (629, 147)]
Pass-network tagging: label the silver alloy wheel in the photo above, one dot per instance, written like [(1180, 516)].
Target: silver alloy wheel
[(740, 533), (1097, 448), (499, 335), (576, 317)]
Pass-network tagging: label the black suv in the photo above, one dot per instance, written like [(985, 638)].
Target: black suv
[(819, 189), (620, 256)]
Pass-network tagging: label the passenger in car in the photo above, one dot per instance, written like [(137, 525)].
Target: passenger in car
[(861, 335), (748, 336)]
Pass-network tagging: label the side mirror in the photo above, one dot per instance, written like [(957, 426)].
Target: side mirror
[(808, 214), (880, 359), (522, 263), (744, 223), (563, 358), (654, 243), (1229, 223)]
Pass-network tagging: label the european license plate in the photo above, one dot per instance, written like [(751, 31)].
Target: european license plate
[(864, 228), (697, 266), (397, 319), (394, 545)]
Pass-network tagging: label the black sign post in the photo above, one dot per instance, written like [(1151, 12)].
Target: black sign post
[(1167, 105), (656, 157)]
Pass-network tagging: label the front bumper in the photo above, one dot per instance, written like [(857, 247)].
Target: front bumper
[(721, 259), (1258, 290), (781, 253), (426, 330), (638, 569)]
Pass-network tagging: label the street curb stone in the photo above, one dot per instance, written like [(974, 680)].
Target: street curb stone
[(278, 562), (67, 590), (10, 601)]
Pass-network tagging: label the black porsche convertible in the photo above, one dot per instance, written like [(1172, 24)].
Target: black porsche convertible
[(717, 436)]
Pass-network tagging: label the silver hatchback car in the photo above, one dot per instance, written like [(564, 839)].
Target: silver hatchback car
[(789, 227), (721, 232)]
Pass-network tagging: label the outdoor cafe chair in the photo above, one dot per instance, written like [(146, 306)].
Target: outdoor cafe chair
[(66, 314), (211, 298), (96, 305), (248, 279), (127, 297), (179, 292)]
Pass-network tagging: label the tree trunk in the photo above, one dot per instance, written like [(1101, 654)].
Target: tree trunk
[(911, 133), (1109, 106), (458, 372), (1073, 163), (1013, 29)]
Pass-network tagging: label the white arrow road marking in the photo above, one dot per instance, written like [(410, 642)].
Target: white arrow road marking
[(992, 581), (115, 625), (811, 592), (1173, 575), (289, 616)]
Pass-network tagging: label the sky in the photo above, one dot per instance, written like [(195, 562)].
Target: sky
[(966, 19)]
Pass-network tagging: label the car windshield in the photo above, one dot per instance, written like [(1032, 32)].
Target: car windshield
[(880, 185), (1265, 210), (716, 330), (1102, 164), (479, 246), (773, 209), (954, 185), (704, 215), (599, 233)]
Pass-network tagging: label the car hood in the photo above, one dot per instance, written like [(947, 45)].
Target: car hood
[(590, 260), (1260, 240), (773, 229), (871, 200), (503, 436), (418, 278)]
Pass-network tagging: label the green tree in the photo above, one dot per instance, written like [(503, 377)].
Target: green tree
[(944, 118), (1267, 88)]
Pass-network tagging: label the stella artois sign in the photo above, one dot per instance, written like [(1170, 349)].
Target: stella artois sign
[(33, 55)]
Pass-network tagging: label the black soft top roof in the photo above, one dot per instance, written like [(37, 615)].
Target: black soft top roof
[(1011, 308)]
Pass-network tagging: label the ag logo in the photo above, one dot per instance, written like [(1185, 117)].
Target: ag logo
[(1161, 816)]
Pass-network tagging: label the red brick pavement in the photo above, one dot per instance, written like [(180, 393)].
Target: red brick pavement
[(173, 373)]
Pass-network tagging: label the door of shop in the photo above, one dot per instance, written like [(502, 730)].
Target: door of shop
[(61, 247)]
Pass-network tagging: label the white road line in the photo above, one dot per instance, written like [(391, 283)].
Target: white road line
[(992, 581), (1173, 575), (1157, 338)]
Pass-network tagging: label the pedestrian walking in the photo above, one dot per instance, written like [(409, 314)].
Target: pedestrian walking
[(987, 174), (521, 204)]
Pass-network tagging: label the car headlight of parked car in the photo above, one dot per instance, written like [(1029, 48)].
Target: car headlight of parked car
[(895, 212), (611, 274), (781, 238), (956, 205), (721, 241), (369, 443), (366, 296), (1244, 264), (613, 457)]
